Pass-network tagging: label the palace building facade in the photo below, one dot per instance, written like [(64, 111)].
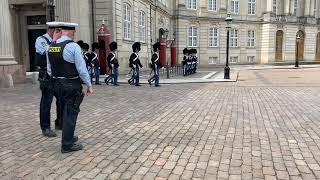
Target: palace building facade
[(262, 31)]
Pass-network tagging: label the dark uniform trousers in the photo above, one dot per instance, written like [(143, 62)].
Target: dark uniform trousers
[(47, 93), (70, 91)]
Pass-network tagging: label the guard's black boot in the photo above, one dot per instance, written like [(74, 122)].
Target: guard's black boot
[(49, 133), (149, 82), (75, 147), (157, 85)]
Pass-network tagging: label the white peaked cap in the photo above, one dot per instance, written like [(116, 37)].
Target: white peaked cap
[(63, 25)]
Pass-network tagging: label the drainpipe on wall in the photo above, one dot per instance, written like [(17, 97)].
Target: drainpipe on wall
[(93, 21), (50, 10)]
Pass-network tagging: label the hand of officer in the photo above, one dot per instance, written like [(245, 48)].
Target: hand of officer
[(89, 91)]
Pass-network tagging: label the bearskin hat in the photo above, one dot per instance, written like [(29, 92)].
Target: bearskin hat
[(136, 47), (85, 46), (185, 51), (113, 46), (95, 46), (156, 46)]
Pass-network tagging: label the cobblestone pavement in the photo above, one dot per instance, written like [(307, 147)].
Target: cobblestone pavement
[(265, 126)]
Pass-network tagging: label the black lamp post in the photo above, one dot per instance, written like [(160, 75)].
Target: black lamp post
[(227, 68), (166, 33), (297, 50)]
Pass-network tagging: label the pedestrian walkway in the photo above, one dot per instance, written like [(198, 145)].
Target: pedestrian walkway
[(207, 77), (264, 126)]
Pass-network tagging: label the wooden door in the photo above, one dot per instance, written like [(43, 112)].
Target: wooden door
[(318, 47), (279, 43), (300, 45)]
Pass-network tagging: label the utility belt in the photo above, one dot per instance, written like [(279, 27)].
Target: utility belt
[(73, 85), (43, 74), (64, 79)]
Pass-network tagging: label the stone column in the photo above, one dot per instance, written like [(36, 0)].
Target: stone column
[(307, 8), (269, 5), (318, 9), (286, 7), (300, 9), (280, 7), (6, 43)]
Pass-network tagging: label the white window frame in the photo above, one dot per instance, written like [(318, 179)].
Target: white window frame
[(213, 37), (251, 59), (192, 4), (127, 22), (251, 38), (251, 7), (232, 58), (234, 37), (193, 36), (142, 26), (274, 6), (234, 6), (213, 60), (213, 5)]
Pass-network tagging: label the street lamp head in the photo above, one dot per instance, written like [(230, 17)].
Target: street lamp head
[(228, 19)]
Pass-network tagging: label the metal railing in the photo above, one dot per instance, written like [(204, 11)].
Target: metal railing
[(171, 71)]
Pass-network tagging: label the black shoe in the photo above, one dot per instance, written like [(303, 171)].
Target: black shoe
[(98, 83), (129, 81), (49, 133), (57, 127), (149, 82), (138, 85), (75, 147), (116, 84), (106, 81), (157, 86), (75, 139)]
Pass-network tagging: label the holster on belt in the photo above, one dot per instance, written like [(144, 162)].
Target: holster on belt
[(43, 75)]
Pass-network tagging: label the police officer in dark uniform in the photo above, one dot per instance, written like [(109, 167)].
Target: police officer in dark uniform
[(68, 68), (46, 85), (155, 65)]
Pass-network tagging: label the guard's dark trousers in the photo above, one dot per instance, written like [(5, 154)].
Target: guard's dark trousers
[(72, 96)]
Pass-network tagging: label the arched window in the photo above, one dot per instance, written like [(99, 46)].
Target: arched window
[(142, 26), (193, 36), (127, 27), (279, 44), (192, 4), (213, 34), (295, 6), (212, 5), (274, 6)]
